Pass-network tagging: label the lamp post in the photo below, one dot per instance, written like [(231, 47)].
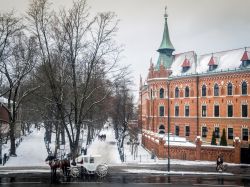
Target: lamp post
[(168, 127)]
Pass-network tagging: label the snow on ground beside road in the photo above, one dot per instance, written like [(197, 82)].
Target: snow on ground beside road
[(107, 149), (31, 151), (148, 171)]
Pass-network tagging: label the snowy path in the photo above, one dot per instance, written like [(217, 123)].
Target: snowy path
[(107, 149), (31, 152)]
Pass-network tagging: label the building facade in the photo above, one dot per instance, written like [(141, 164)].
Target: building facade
[(196, 95)]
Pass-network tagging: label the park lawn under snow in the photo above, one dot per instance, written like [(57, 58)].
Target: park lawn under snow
[(31, 151)]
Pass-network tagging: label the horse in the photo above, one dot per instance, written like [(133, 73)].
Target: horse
[(64, 166), (54, 163), (102, 137)]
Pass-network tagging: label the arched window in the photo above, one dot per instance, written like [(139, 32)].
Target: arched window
[(161, 93), (244, 88), (230, 89), (216, 90), (187, 91), (151, 94), (176, 92), (204, 90), (161, 129)]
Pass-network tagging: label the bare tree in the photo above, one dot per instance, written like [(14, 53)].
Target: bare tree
[(15, 67), (123, 111), (85, 49), (10, 26)]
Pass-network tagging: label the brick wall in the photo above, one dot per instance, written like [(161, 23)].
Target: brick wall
[(197, 152)]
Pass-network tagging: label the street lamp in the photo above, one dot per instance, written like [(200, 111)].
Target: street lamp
[(168, 127), (1, 142)]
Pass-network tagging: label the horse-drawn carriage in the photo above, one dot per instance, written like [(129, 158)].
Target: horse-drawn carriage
[(84, 165), (92, 164)]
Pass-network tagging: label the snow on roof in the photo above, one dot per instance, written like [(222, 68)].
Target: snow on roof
[(176, 67), (226, 60)]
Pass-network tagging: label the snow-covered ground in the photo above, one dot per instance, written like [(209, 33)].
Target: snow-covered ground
[(107, 149), (32, 152)]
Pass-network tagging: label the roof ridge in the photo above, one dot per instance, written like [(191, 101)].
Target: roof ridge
[(223, 51)]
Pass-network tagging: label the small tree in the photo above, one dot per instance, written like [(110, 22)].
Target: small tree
[(223, 140), (213, 141)]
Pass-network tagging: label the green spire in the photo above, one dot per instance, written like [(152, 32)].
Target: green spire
[(166, 48)]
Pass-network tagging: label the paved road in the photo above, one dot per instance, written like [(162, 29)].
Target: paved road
[(129, 180), (124, 176)]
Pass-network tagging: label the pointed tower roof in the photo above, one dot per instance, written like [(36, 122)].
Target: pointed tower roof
[(165, 43), (166, 48)]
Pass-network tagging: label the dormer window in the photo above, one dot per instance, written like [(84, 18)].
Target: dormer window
[(212, 64), (185, 65), (245, 59)]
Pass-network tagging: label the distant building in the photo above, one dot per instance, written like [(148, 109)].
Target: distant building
[(204, 93), (4, 118)]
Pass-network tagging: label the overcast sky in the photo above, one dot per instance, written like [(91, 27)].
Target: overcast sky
[(204, 26)]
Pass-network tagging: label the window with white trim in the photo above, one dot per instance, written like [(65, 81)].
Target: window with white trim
[(204, 132), (230, 133), (186, 110), (203, 110), (230, 110), (161, 110), (216, 111), (217, 132), (187, 130), (245, 134), (244, 109), (177, 130)]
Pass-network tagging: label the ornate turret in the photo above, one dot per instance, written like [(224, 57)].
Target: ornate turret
[(166, 48)]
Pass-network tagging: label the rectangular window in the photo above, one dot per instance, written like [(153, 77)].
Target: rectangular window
[(244, 110), (177, 130), (216, 110), (230, 110), (217, 132), (245, 134), (204, 111), (230, 133), (204, 132), (187, 130), (161, 110), (176, 110), (186, 110)]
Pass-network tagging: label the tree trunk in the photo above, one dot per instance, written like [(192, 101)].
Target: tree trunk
[(62, 135), (12, 139)]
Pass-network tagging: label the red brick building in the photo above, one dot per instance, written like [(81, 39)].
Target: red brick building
[(197, 94), (4, 118)]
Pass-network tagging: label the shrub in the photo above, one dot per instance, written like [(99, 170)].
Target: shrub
[(213, 141), (223, 140)]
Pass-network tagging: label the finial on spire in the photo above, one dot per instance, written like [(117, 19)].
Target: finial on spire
[(166, 15)]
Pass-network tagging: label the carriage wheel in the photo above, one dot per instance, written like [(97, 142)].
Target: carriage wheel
[(101, 170), (74, 172)]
